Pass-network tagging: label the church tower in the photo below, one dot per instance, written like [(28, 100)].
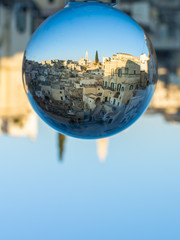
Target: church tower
[(86, 55)]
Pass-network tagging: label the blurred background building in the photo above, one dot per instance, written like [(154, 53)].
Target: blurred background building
[(161, 20), (17, 118), (19, 19)]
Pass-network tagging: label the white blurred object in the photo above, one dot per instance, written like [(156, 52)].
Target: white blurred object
[(102, 148)]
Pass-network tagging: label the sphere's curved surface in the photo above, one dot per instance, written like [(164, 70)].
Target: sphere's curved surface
[(89, 71)]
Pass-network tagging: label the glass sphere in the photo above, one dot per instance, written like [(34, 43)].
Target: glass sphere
[(89, 70)]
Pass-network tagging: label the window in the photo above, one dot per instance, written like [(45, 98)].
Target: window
[(134, 71), (119, 72), (112, 85), (60, 92), (127, 70), (61, 98), (118, 87), (122, 89), (110, 121), (16, 120), (114, 102), (21, 18), (105, 84), (131, 87)]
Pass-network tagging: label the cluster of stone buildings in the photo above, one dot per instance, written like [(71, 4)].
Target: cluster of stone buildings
[(84, 86), (124, 74)]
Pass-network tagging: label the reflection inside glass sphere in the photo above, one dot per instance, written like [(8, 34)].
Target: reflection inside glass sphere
[(89, 79)]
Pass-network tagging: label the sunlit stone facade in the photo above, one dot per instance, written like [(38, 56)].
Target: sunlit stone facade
[(17, 117), (123, 75)]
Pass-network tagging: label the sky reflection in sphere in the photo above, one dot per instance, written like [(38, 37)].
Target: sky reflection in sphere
[(89, 70)]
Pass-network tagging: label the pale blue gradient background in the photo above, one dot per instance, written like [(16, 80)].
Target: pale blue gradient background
[(133, 195)]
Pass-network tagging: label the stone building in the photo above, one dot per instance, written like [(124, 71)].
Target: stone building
[(17, 117), (123, 75), (58, 94)]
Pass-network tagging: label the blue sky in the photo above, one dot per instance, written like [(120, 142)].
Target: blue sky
[(135, 194), (94, 26)]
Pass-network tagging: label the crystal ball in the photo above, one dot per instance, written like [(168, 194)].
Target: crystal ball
[(89, 70)]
